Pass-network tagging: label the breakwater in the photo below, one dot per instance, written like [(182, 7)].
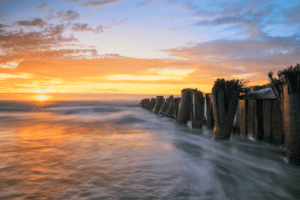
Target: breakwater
[(269, 113)]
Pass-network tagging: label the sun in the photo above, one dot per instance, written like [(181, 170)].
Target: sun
[(41, 98)]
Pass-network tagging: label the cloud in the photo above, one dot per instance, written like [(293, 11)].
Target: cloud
[(72, 1), (70, 15), (141, 77), (35, 22), (85, 28), (41, 7), (292, 14), (4, 26), (16, 45), (118, 22), (95, 3), (251, 19), (10, 65), (232, 57), (4, 76)]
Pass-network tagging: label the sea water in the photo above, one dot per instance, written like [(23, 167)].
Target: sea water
[(118, 150)]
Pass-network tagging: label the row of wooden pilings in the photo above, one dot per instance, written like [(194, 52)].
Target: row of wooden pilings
[(253, 112)]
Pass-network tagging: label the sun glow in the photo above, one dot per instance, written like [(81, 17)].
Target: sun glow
[(41, 98)]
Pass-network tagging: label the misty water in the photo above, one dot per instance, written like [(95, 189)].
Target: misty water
[(117, 150)]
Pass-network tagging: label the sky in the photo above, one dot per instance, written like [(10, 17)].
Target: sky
[(72, 49)]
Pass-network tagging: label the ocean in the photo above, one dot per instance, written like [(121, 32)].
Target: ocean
[(118, 150)]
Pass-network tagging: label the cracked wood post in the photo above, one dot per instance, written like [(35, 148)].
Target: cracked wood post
[(159, 103), (225, 97), (185, 108), (287, 90), (198, 109), (209, 110)]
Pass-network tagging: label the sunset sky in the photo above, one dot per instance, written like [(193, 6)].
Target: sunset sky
[(99, 48)]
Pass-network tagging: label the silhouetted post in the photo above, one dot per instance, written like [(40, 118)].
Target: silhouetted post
[(198, 109), (159, 103), (186, 104), (225, 97), (287, 90), (209, 110)]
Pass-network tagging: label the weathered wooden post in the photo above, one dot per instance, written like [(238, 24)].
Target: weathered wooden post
[(198, 109), (255, 117), (236, 126), (277, 124), (152, 104), (185, 108), (243, 117), (176, 103), (159, 103), (209, 111), (167, 104), (287, 90), (267, 113), (143, 103), (225, 97), (146, 103), (170, 110)]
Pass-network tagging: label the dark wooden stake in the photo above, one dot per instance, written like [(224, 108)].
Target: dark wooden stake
[(198, 109), (159, 103), (287, 90), (225, 97), (185, 108), (176, 103), (209, 111)]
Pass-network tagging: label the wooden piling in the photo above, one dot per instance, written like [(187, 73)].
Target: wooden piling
[(277, 124), (198, 109), (209, 111), (185, 108), (236, 126), (243, 118), (152, 104), (287, 89), (145, 103), (170, 110), (225, 97), (159, 104), (267, 115), (176, 103), (166, 104)]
